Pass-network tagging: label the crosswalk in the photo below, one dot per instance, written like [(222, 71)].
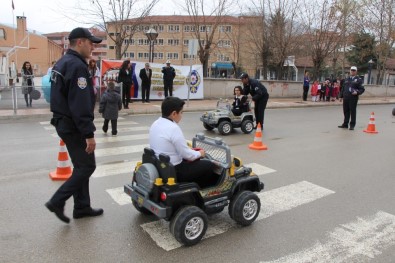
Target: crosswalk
[(358, 240)]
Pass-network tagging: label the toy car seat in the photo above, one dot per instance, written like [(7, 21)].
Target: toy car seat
[(166, 168), (149, 156)]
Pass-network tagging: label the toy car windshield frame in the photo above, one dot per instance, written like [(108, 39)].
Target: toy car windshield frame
[(215, 148)]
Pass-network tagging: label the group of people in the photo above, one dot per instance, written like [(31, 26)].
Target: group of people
[(325, 91), (73, 101)]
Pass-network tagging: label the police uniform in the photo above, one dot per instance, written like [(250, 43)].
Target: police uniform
[(169, 73), (260, 96), (72, 104), (350, 101)]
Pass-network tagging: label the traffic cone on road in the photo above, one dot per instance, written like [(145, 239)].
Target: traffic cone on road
[(371, 126), (63, 170), (257, 144)]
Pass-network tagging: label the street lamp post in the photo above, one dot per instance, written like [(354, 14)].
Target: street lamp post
[(151, 35), (370, 70)]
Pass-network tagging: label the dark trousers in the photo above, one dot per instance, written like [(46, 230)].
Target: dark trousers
[(199, 171), (28, 99), (84, 166), (350, 110), (305, 91), (168, 88), (125, 94), (113, 126), (259, 110), (145, 90)]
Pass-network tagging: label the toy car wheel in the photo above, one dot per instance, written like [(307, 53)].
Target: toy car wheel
[(246, 208), (393, 112), (247, 126), (207, 127), (141, 209), (225, 128), (189, 225)]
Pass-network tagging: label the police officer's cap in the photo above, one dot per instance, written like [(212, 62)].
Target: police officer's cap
[(243, 75), (81, 32)]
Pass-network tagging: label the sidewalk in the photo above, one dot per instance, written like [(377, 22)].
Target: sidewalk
[(193, 106)]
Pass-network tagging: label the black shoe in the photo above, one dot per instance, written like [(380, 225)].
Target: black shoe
[(351, 128), (87, 212), (58, 212), (147, 101), (343, 126)]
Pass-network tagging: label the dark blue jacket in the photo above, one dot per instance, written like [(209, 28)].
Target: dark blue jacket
[(352, 84), (256, 89), (72, 94)]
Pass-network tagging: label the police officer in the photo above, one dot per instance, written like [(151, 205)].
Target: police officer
[(350, 93), (259, 95), (72, 104), (169, 73)]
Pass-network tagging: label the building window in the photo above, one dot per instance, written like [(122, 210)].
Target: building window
[(111, 47), (142, 55), (189, 28), (186, 42), (172, 56), (225, 29), (131, 54), (222, 57), (202, 42), (224, 43), (205, 28), (143, 42), (159, 42), (158, 55), (158, 28), (173, 28), (173, 42)]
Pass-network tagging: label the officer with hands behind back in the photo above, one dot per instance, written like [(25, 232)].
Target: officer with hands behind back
[(259, 95), (350, 93), (72, 104)]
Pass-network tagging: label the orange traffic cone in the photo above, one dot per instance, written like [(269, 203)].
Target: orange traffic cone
[(257, 144), (371, 126), (63, 170)]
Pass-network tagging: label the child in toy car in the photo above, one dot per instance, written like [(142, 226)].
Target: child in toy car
[(240, 103)]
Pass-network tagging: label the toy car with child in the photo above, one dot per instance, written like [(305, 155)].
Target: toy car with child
[(225, 121), (155, 190)]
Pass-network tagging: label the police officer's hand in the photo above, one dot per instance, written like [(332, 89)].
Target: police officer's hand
[(90, 145)]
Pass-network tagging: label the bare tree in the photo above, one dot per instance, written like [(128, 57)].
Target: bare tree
[(120, 19), (207, 16), (376, 17)]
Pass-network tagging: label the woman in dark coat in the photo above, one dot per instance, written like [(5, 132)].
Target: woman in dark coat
[(27, 82), (125, 77), (110, 104)]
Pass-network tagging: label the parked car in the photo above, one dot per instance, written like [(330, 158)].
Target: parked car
[(155, 190)]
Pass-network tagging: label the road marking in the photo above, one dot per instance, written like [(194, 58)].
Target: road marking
[(358, 241), (96, 120), (260, 169), (120, 150), (119, 196), (122, 129), (115, 169), (273, 202), (121, 138)]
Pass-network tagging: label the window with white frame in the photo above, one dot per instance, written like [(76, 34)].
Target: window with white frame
[(205, 28), (186, 42), (189, 28), (131, 54), (143, 42), (173, 42), (142, 55), (222, 57), (158, 55), (173, 28), (224, 43), (172, 56), (225, 29), (158, 28), (159, 42)]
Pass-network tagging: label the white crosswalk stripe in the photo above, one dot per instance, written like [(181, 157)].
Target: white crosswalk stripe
[(121, 138), (275, 201), (120, 150), (115, 169), (357, 241)]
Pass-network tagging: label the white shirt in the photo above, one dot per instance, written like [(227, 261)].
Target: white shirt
[(165, 136)]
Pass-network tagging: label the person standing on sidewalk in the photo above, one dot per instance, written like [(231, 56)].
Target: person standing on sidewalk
[(306, 85), (352, 89), (145, 76), (125, 77), (169, 73), (259, 95), (72, 104), (27, 82)]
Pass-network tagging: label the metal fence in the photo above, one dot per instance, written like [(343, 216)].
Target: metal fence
[(11, 97)]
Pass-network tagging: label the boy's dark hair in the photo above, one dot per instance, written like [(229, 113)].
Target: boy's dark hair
[(238, 87), (171, 104), (111, 85)]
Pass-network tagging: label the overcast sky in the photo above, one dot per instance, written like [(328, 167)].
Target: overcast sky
[(46, 16)]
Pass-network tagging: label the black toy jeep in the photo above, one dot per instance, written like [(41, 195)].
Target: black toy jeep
[(155, 190)]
